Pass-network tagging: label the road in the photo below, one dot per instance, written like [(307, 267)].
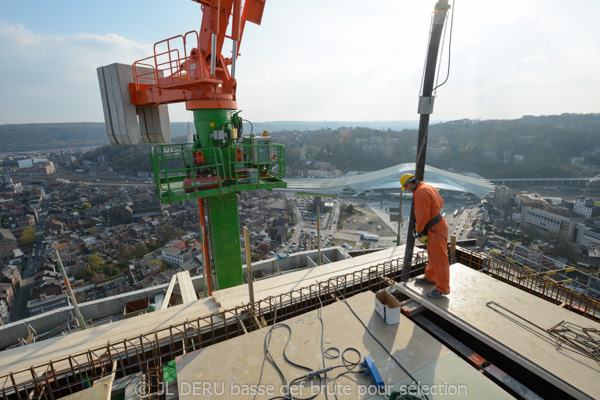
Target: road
[(306, 225), (460, 224), (31, 267)]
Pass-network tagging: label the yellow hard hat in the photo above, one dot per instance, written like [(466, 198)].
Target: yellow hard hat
[(405, 178)]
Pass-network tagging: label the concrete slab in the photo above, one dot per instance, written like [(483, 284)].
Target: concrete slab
[(99, 391), (450, 382), (273, 286), (240, 360), (509, 320), (39, 353), (57, 348)]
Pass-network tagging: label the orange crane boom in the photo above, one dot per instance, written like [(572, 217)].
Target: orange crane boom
[(190, 68)]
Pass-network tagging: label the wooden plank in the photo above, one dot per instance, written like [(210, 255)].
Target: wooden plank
[(274, 286), (188, 294), (165, 302), (77, 342), (57, 348), (410, 307)]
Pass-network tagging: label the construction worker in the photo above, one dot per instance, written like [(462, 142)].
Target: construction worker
[(431, 228)]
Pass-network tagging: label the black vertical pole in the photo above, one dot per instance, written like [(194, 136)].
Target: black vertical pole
[(425, 109)]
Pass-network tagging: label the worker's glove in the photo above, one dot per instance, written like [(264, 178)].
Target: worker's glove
[(420, 236)]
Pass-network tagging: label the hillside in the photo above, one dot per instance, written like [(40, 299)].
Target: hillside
[(534, 146), (552, 146), (39, 137)]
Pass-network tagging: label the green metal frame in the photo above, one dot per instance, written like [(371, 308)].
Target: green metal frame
[(172, 163), (225, 240), (227, 165)]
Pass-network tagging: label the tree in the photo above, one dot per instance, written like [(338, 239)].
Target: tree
[(86, 206), (95, 261), (27, 237), (264, 247), (527, 235), (125, 252), (563, 247), (168, 232), (139, 250), (567, 249)]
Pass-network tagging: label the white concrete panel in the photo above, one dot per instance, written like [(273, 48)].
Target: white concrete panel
[(471, 305), (154, 124), (119, 113), (229, 367)]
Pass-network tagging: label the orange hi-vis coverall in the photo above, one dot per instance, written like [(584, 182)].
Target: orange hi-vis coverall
[(428, 204)]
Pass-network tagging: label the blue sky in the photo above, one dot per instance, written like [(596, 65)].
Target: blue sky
[(314, 59)]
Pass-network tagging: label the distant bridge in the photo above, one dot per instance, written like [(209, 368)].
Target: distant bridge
[(549, 181)]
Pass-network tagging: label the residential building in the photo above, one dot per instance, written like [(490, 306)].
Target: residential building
[(172, 255), (503, 196), (545, 221), (585, 207), (587, 236), (8, 243), (532, 200), (47, 303)]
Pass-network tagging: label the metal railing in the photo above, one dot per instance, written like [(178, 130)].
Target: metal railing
[(147, 352), (178, 176), (537, 285), (167, 66)]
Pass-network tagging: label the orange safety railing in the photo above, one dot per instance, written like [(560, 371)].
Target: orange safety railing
[(168, 66)]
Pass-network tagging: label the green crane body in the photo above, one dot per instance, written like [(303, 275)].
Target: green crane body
[(217, 166)]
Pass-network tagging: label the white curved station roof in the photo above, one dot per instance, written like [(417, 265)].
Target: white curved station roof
[(388, 179)]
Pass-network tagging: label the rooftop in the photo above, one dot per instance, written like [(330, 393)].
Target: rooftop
[(495, 311)]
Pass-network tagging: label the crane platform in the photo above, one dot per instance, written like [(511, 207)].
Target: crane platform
[(179, 177)]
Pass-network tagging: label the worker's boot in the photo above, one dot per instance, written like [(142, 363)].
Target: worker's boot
[(424, 281), (436, 294)]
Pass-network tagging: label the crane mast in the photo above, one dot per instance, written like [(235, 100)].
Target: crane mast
[(221, 162)]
